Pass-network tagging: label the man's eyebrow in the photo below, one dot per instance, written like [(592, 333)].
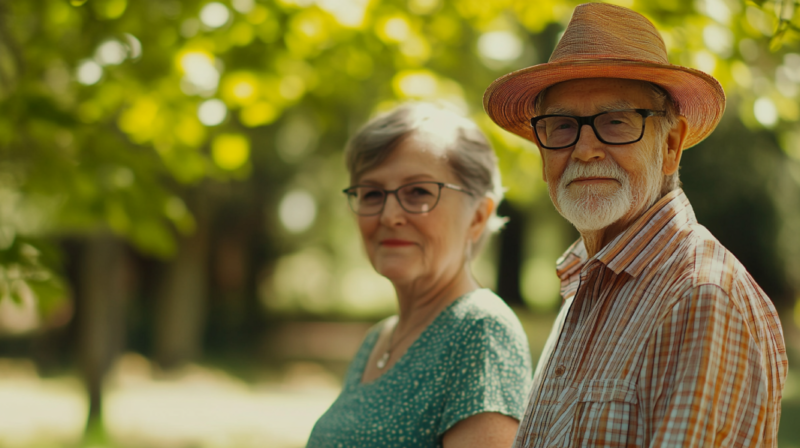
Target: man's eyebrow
[(557, 110), (615, 105)]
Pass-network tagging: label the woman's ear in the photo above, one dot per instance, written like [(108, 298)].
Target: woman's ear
[(481, 217)]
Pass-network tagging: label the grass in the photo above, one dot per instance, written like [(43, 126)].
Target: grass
[(227, 403)]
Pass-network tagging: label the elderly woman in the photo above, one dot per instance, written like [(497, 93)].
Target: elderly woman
[(453, 367)]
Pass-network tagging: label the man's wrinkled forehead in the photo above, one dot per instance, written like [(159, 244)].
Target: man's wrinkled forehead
[(559, 99)]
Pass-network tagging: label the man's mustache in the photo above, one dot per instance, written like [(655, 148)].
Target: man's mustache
[(607, 169)]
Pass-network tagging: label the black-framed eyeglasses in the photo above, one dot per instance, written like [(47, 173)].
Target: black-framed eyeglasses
[(619, 127), (415, 197)]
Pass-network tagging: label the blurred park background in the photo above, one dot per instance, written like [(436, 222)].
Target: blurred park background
[(178, 267)]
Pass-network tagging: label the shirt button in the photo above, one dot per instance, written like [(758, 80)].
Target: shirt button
[(560, 370)]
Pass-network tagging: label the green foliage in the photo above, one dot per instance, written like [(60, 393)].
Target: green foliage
[(112, 112), (25, 274)]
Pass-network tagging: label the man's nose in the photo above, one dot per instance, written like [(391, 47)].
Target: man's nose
[(588, 147)]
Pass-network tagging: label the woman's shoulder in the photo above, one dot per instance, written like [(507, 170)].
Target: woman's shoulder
[(483, 306), (483, 316)]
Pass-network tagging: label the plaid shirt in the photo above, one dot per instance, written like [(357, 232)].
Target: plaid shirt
[(664, 339)]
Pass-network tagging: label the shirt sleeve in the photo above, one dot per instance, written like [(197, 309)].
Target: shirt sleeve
[(490, 371), (706, 385)]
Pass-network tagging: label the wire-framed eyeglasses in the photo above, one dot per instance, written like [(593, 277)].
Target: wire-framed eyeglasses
[(619, 127), (415, 197)]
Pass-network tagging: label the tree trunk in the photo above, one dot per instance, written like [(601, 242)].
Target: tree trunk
[(101, 315), (512, 246), (182, 300)]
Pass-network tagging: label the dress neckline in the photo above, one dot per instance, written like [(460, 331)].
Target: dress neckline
[(414, 345)]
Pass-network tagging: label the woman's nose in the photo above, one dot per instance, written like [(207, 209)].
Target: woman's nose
[(392, 214)]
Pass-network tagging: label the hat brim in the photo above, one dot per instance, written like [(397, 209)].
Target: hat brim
[(509, 101)]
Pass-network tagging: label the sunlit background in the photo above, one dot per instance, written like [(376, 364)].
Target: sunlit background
[(178, 267)]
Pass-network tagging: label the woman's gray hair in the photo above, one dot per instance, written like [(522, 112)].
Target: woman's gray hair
[(465, 147)]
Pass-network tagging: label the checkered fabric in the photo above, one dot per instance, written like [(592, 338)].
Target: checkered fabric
[(664, 340)]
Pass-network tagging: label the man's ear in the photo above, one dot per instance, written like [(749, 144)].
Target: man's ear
[(481, 218), (676, 138)]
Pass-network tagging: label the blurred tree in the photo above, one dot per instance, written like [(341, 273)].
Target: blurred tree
[(153, 123)]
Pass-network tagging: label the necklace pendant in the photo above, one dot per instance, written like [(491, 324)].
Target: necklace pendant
[(383, 360)]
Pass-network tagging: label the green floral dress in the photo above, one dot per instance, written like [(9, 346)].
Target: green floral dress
[(472, 358)]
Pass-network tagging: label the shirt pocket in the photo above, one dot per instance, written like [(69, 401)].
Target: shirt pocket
[(606, 414)]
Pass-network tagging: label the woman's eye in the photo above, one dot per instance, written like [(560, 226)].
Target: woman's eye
[(371, 195), (419, 191)]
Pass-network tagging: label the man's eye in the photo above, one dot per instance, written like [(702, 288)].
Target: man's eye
[(561, 125)]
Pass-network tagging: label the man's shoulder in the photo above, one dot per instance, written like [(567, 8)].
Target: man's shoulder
[(712, 263), (703, 262)]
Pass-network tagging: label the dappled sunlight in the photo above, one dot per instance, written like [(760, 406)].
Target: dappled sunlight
[(201, 406), (766, 112), (201, 75), (240, 88), (212, 112), (297, 211), (349, 13), (214, 15), (205, 407), (36, 411), (89, 72), (111, 52), (424, 84), (195, 150), (230, 151), (501, 46), (196, 406)]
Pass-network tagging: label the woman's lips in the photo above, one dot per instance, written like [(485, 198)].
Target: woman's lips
[(395, 243)]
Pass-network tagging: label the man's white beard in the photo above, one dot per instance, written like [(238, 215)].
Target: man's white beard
[(595, 207)]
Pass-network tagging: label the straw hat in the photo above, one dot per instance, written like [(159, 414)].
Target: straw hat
[(607, 41)]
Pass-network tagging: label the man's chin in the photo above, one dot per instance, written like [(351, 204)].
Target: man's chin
[(588, 222), (593, 213), (590, 204)]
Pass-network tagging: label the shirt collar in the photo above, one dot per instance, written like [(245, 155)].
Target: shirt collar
[(636, 247)]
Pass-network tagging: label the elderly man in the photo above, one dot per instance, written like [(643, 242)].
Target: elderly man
[(663, 339)]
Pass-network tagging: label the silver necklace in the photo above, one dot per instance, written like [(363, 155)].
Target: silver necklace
[(384, 359)]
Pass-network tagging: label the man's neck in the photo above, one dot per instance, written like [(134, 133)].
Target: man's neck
[(593, 241), (596, 240)]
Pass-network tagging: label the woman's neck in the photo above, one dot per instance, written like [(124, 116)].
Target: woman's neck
[(419, 304)]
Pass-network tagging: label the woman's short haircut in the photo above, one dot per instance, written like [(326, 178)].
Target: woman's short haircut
[(462, 143)]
